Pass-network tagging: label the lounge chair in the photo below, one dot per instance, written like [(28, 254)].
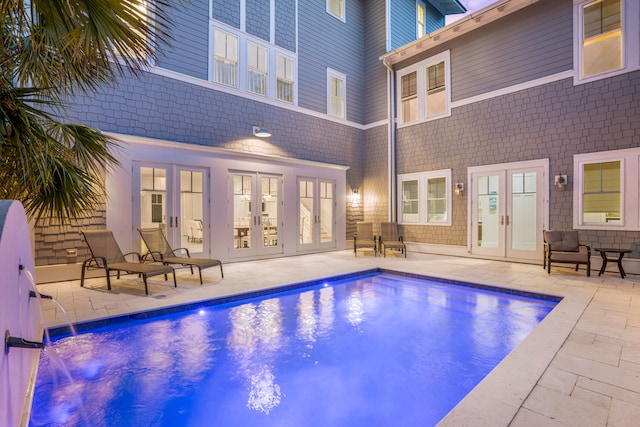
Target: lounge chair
[(364, 238), (563, 246), (160, 251), (106, 254), (390, 238)]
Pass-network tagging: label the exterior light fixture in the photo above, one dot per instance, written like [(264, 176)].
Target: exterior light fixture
[(261, 132), (459, 188), (355, 197), (561, 182)]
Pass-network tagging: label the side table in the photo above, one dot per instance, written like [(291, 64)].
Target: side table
[(620, 252)]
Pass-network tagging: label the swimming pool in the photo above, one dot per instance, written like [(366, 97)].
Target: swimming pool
[(377, 349)]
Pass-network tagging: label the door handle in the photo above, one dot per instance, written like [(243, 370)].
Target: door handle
[(507, 220), (502, 220), (170, 222)]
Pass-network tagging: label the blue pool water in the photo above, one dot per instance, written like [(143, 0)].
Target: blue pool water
[(376, 350)]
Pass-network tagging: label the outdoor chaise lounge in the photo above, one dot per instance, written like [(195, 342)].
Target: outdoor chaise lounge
[(563, 246), (160, 251), (390, 238), (364, 238), (106, 254)]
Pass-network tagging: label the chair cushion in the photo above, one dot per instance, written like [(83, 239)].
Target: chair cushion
[(571, 257), (562, 240)]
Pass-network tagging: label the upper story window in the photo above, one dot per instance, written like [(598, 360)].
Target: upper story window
[(420, 20), (606, 191), (606, 38), (336, 8), (425, 197), (425, 91), (249, 64), (409, 97), (336, 85), (257, 68), (285, 79), (226, 59)]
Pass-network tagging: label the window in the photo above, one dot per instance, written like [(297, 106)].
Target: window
[(425, 92), (605, 35), (246, 63), (284, 90), (336, 8), (226, 59), (436, 94), (420, 20), (425, 198), (409, 97), (601, 192), (257, 65), (606, 190), (336, 95)]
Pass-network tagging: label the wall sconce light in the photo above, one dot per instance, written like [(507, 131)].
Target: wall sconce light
[(355, 197), (261, 132), (561, 182), (459, 188)]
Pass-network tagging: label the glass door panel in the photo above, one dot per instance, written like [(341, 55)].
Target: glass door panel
[(153, 199), (242, 224), (523, 211), (270, 204), (306, 212), (326, 212), (488, 212), (192, 210)]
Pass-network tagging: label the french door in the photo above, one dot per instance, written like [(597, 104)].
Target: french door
[(256, 209), (508, 210), (316, 213), (172, 197)]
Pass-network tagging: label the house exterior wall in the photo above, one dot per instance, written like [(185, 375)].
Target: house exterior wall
[(285, 24), (375, 184), (553, 119), (375, 44), (227, 11), (327, 42)]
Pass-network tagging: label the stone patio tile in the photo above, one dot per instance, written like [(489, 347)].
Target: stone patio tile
[(613, 391), (527, 418), (598, 371), (623, 414), (599, 351), (558, 380), (565, 409), (472, 411)]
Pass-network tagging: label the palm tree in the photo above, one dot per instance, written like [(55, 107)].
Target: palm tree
[(50, 50)]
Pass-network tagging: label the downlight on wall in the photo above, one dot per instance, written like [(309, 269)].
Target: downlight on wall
[(260, 131), (561, 182)]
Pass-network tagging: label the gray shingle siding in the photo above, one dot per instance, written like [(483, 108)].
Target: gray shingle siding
[(285, 24), (329, 42), (227, 11), (189, 50), (258, 18)]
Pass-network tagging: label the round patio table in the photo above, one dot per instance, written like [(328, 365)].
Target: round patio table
[(620, 252)]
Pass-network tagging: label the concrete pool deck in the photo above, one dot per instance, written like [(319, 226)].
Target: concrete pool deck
[(579, 367)]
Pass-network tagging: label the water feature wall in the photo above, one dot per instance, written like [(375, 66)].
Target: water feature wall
[(19, 315)]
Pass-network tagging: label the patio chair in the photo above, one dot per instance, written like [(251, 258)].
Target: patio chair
[(364, 238), (160, 251), (106, 254), (563, 246), (390, 238)]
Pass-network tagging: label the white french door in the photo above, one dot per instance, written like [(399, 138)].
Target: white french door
[(256, 209), (316, 213), (508, 209), (172, 197)]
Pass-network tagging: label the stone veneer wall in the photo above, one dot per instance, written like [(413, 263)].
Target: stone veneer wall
[(554, 121)]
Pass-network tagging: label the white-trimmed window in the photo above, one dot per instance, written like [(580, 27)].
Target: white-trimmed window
[(425, 90), (257, 68), (420, 20), (336, 8), (425, 198), (285, 78), (606, 38), (606, 190), (246, 63), (225, 59), (336, 93)]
